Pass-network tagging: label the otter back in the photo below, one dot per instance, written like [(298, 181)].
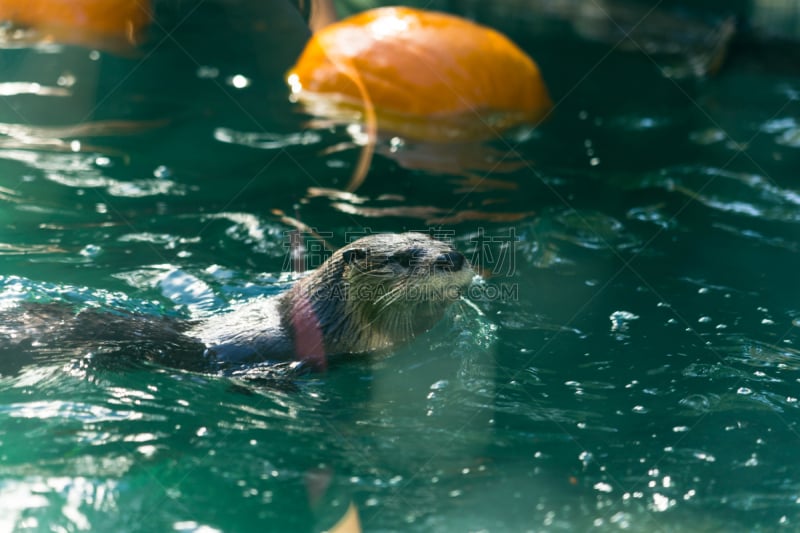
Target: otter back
[(33, 332)]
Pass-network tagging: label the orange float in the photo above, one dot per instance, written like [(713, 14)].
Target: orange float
[(102, 23), (427, 75)]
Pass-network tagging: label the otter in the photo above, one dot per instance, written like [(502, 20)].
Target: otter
[(375, 294)]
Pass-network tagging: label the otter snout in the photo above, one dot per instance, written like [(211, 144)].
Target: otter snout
[(449, 262)]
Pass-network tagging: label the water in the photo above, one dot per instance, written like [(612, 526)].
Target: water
[(631, 363)]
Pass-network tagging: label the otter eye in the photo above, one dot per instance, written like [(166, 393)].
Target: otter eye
[(408, 258), (354, 254), (449, 262), (403, 259)]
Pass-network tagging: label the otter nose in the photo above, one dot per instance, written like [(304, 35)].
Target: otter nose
[(450, 261)]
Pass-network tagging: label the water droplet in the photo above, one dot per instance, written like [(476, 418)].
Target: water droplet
[(603, 487), (707, 457), (91, 250), (66, 80), (206, 72), (439, 385), (395, 144), (620, 320), (239, 82), (162, 172), (709, 136)]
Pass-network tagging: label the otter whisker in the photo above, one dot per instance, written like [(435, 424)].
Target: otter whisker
[(389, 296), (393, 296)]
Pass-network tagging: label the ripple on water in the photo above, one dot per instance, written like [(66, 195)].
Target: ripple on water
[(16, 289), (263, 140), (591, 229), (24, 503), (752, 352), (81, 171), (739, 193), (64, 410), (697, 404), (786, 131), (558, 236), (654, 214)]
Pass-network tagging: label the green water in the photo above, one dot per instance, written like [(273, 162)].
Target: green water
[(631, 363)]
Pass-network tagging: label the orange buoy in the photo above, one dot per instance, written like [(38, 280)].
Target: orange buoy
[(428, 75), (83, 22)]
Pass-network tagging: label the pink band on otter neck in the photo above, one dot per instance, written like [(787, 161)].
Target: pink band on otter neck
[(309, 346)]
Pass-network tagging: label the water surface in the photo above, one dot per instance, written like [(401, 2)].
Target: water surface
[(631, 362)]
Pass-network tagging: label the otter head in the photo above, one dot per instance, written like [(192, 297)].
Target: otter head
[(382, 290)]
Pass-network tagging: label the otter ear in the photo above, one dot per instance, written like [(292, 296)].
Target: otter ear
[(353, 254)]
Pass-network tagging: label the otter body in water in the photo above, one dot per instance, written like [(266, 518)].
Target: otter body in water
[(372, 295)]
